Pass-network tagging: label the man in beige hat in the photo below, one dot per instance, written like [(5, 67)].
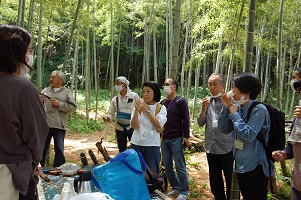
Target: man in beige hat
[(123, 105)]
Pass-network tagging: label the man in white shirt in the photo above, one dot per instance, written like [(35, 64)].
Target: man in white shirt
[(123, 105)]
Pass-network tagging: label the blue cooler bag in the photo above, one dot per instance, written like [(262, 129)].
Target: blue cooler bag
[(123, 177)]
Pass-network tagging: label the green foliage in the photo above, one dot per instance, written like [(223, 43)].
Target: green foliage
[(78, 124)]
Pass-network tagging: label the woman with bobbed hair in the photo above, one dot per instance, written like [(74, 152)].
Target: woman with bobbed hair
[(23, 125), (146, 123), (251, 163)]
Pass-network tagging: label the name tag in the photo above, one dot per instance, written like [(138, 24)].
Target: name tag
[(239, 144)]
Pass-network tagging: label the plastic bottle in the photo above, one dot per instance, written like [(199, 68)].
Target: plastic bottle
[(66, 191)]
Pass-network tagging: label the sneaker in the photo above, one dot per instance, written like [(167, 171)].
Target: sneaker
[(181, 197), (172, 193)]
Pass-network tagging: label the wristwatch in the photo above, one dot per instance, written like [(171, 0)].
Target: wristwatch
[(148, 111)]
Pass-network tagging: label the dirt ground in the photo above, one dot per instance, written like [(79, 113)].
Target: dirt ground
[(196, 162)]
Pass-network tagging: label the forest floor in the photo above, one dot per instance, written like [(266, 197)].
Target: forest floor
[(196, 162)]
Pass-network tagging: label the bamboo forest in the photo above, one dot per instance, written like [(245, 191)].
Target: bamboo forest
[(95, 41)]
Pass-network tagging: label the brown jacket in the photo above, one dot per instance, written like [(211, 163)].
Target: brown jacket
[(23, 128), (57, 117)]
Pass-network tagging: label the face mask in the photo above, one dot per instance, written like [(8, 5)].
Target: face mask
[(292, 84), (30, 60), (218, 95), (167, 90), (242, 100), (118, 88)]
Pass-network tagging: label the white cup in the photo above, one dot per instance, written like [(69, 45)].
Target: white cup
[(229, 94)]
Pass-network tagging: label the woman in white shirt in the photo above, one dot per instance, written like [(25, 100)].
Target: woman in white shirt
[(145, 121)]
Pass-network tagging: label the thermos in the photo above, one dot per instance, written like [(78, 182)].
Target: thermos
[(83, 183)]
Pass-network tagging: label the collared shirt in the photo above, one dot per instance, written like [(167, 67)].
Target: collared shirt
[(220, 139), (125, 104), (146, 134), (253, 153)]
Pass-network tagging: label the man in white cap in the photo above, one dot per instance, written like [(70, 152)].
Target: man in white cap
[(123, 105)]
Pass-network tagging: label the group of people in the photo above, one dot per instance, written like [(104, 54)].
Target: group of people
[(155, 128), (231, 135)]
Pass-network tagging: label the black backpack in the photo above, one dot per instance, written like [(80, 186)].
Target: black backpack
[(155, 181), (277, 129)]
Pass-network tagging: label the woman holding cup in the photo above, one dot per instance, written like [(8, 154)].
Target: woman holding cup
[(146, 122), (251, 164)]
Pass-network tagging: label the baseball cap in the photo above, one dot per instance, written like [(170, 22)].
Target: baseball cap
[(122, 79)]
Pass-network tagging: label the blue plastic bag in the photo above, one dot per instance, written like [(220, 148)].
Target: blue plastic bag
[(122, 177)]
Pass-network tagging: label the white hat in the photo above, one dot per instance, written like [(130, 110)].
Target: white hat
[(122, 79)]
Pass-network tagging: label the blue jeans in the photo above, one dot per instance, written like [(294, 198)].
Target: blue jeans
[(58, 137), (151, 155), (173, 150), (219, 163), (122, 137)]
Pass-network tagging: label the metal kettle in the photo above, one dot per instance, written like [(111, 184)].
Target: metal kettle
[(83, 183)]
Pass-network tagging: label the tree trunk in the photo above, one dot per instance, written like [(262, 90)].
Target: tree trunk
[(95, 66), (218, 57), (235, 192), (71, 35), (175, 50), (87, 67), (40, 49), (196, 87), (22, 14), (230, 69), (189, 74), (75, 63), (250, 37), (267, 70), (258, 48), (118, 51), (170, 38), (19, 12), (112, 74), (167, 40), (185, 49), (155, 57), (31, 13), (279, 57)]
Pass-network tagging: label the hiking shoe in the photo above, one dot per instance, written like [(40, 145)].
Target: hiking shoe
[(181, 197), (172, 193)]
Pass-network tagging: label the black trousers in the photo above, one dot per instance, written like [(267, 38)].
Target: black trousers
[(253, 185), (122, 137), (31, 192), (219, 164)]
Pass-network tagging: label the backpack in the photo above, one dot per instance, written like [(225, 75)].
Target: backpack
[(154, 181), (277, 129)]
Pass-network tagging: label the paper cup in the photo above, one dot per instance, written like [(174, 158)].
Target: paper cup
[(229, 94)]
